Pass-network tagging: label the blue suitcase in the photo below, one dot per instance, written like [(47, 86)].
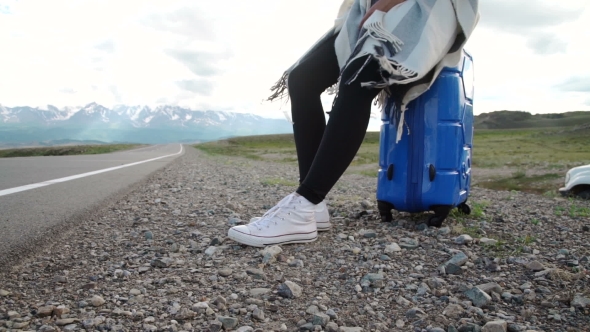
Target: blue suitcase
[(429, 169)]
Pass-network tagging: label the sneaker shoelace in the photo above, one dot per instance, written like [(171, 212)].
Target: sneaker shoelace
[(269, 216)]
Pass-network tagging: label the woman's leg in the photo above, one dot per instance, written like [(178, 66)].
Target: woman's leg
[(295, 218), (306, 83), (344, 133)]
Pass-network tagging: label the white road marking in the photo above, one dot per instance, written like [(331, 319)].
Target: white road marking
[(73, 177)]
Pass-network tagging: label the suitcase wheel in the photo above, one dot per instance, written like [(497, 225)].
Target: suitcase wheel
[(441, 213), (436, 221), (464, 208), (385, 211)]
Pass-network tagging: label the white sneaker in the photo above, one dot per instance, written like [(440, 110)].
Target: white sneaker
[(322, 217), (292, 220)]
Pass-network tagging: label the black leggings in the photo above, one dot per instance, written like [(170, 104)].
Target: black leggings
[(324, 152)]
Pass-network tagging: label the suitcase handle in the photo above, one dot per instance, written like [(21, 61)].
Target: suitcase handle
[(390, 171), (431, 172), (465, 169), (466, 165)]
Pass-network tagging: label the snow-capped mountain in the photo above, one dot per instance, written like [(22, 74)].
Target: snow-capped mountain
[(141, 124)]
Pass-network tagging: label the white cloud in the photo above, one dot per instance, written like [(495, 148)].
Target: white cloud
[(529, 55)]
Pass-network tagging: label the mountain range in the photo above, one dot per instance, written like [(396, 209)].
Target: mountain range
[(137, 124)]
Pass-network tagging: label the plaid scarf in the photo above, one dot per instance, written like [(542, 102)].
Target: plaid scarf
[(412, 42)]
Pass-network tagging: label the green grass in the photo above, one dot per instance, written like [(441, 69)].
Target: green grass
[(549, 151), (526, 240), (369, 173), (510, 246), (525, 148), (254, 147), (472, 231), (470, 223), (555, 149), (369, 150), (572, 209), (65, 150), (519, 181), (477, 209)]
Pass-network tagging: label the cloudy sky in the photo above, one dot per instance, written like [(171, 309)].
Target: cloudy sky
[(205, 54)]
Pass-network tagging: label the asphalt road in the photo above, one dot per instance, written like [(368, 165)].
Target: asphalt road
[(32, 205)]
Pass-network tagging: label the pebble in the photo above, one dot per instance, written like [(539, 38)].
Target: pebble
[(258, 314), (320, 319), (245, 329), (61, 310), (580, 301), (350, 329), (255, 292), (464, 239), (74, 327), (228, 323), (66, 321), (289, 290), (162, 262), (414, 312), (356, 277), (490, 287), (487, 242), (495, 326), (215, 326), (97, 301), (451, 268), (392, 247), (453, 311), (332, 314), (211, 250), (269, 254), (458, 259), (306, 327), (45, 311), (331, 327), (408, 243), (478, 297), (535, 266), (369, 234), (225, 272)]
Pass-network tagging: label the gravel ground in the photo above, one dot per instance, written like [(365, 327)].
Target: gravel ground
[(158, 260)]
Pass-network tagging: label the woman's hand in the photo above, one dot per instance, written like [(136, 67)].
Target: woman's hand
[(382, 5)]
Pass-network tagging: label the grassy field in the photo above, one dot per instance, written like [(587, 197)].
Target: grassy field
[(529, 160), (526, 148), (65, 150)]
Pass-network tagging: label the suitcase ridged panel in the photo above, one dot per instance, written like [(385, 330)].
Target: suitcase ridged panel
[(442, 137)]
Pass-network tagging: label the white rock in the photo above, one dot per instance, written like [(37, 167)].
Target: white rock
[(393, 247), (495, 326), (97, 301)]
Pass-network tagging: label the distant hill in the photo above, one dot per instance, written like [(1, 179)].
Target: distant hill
[(520, 119)]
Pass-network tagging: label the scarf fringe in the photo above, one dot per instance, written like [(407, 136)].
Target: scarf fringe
[(402, 122), (376, 30), (333, 90), (280, 90)]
